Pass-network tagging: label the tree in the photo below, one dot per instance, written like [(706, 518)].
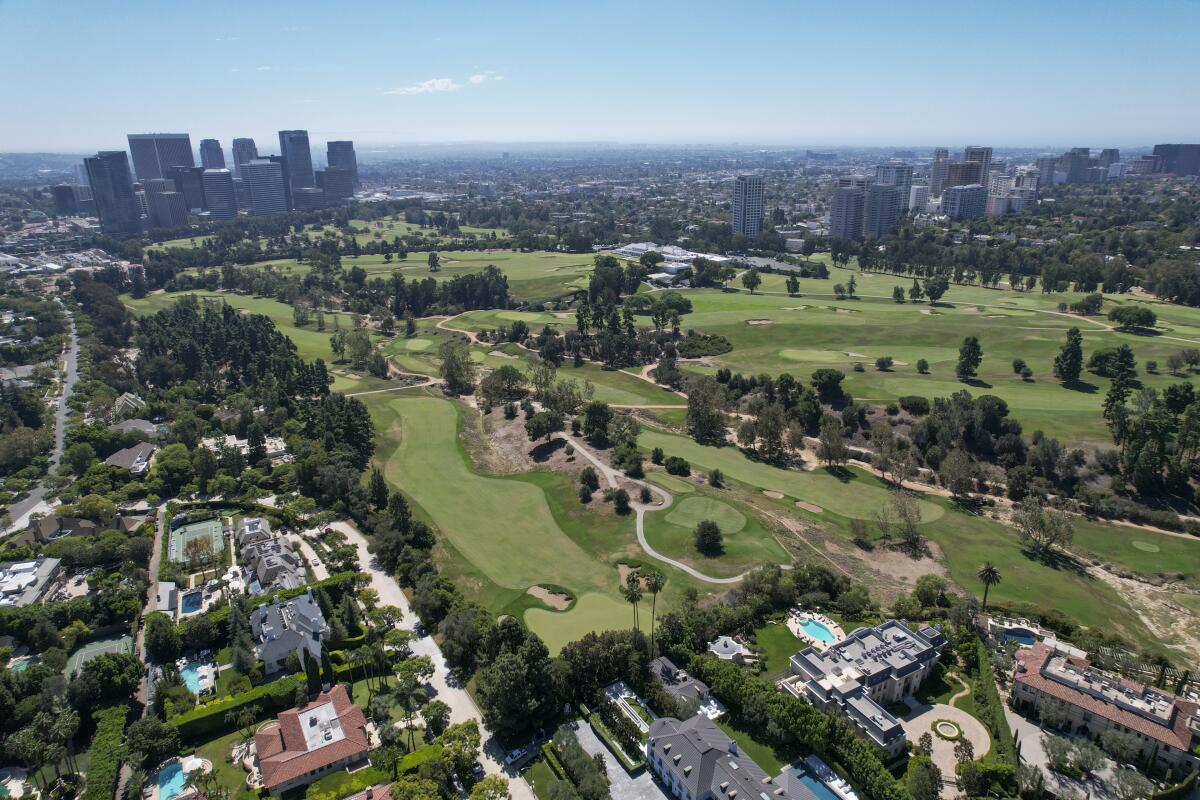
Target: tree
[(1042, 529), (1128, 784), (793, 285), (970, 356), (436, 715), (854, 602), (457, 368), (79, 457), (621, 501), (378, 489), (705, 410), (162, 641), (957, 472), (435, 262), (935, 287), (751, 279), (989, 575), (708, 538), (413, 787), (1133, 316), (898, 294), (117, 674), (150, 740), (922, 366), (596, 418), (832, 448), (460, 744), (1058, 752), (632, 592), (1068, 364), (654, 582), (884, 363), (543, 423), (915, 292), (492, 787)]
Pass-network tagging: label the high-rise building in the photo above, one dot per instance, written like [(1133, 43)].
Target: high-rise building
[(982, 155), (938, 171), (1108, 157), (219, 194), (308, 197), (846, 209), (112, 191), (244, 151), (965, 202), (337, 183), (297, 160), (881, 209), (265, 192), (189, 183), (153, 153), (1179, 159), (963, 173), (1076, 163), (1047, 167), (66, 202), (168, 209), (918, 198), (211, 155), (341, 154), (748, 206), (898, 174), (139, 197)]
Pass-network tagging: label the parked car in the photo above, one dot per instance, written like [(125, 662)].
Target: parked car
[(477, 770), (316, 562)]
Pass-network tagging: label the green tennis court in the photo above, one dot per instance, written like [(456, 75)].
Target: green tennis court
[(177, 549), (91, 650)]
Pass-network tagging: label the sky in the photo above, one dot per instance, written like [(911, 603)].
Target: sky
[(918, 73)]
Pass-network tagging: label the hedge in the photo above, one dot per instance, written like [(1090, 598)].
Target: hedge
[(343, 784), (610, 741), (208, 721), (105, 751), (552, 761), (1180, 790)]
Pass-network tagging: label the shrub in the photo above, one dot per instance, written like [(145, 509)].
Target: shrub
[(884, 363), (708, 538), (922, 366), (208, 721), (677, 466), (628, 736), (915, 405), (105, 751), (579, 767)]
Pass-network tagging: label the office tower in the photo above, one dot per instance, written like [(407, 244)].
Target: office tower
[(244, 151), (307, 197), (143, 207), (168, 209), (898, 174), (938, 171), (747, 206), (1076, 163), (211, 155), (918, 198), (337, 183), (963, 173), (153, 153), (982, 155), (189, 183), (219, 196), (112, 191), (66, 203), (965, 202), (297, 160), (341, 154), (1047, 166), (241, 193), (287, 188), (1179, 159), (1000, 185), (265, 191), (1108, 157), (881, 209), (846, 209), (152, 187)]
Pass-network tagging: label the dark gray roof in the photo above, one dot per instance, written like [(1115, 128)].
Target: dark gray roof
[(127, 458), (284, 627), (678, 683), (709, 763)]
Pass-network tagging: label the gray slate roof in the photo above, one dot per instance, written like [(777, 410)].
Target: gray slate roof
[(709, 763)]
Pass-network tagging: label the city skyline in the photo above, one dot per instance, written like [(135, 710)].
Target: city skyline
[(823, 76)]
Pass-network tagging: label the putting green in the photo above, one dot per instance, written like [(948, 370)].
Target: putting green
[(1145, 547), (591, 612), (693, 510), (417, 345)]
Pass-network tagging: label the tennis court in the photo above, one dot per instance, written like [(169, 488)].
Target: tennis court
[(210, 528), (91, 650)]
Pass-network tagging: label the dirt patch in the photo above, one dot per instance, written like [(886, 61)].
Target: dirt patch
[(809, 507), (794, 308), (1176, 626), (996, 316), (928, 312), (853, 354), (898, 363), (556, 600), (625, 570), (844, 310), (971, 309), (772, 494), (501, 354), (760, 322)]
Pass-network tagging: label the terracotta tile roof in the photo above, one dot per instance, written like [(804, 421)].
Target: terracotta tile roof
[(1176, 735), (282, 748), (381, 792)]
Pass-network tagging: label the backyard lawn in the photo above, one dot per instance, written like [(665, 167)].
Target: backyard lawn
[(776, 644)]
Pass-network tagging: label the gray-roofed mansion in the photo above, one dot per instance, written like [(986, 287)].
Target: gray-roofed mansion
[(869, 669), (287, 627)]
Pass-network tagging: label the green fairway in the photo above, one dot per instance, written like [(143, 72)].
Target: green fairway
[(670, 483), (746, 543), (858, 495), (1144, 552), (691, 511), (592, 612), (817, 330)]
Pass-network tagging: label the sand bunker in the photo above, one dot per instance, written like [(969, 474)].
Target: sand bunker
[(853, 354), (501, 354), (773, 495), (928, 312), (996, 316), (556, 600), (808, 507), (760, 322), (794, 308)]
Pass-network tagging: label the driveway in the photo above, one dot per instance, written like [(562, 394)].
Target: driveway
[(462, 706), (921, 720), (1030, 738), (310, 557), (624, 785)]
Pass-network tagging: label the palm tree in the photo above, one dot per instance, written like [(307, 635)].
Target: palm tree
[(990, 577), (359, 658), (654, 584), (410, 695), (633, 593)]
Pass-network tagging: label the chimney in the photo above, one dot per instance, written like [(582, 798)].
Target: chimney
[(733, 747)]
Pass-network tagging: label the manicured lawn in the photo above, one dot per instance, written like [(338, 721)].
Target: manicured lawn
[(747, 543), (540, 778), (776, 644), (230, 777), (671, 483), (1141, 551), (771, 760), (592, 612)]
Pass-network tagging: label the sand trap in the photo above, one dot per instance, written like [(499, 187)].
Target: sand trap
[(794, 308), (501, 354), (808, 507), (852, 354), (928, 312), (972, 309), (352, 376), (773, 495), (556, 600), (843, 310), (760, 322), (624, 570), (996, 316), (898, 363)]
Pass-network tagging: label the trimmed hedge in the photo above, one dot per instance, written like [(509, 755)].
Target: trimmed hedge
[(1179, 790), (208, 721), (552, 761), (610, 741), (105, 751)]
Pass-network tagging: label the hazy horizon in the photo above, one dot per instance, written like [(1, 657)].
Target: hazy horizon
[(764, 74)]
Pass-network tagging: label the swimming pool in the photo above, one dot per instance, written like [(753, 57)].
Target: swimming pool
[(170, 781), (818, 631), (192, 601), (1021, 636), (819, 790), (191, 676)]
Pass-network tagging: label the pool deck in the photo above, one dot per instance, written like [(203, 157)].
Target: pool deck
[(795, 623), (150, 789)]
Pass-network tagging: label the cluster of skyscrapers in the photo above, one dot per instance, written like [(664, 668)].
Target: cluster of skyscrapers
[(165, 186)]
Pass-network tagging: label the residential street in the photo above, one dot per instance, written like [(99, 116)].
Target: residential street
[(19, 512), (462, 707)]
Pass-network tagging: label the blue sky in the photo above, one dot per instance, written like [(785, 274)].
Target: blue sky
[(803, 73)]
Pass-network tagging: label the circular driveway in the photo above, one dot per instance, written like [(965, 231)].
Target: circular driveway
[(921, 720)]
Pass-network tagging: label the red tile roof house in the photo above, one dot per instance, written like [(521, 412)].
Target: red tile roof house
[(1167, 726), (306, 743)]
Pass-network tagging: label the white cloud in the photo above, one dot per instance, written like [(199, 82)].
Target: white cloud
[(263, 69), (427, 87), (228, 38), (484, 77)]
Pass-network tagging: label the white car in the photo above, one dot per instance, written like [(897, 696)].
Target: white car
[(316, 562)]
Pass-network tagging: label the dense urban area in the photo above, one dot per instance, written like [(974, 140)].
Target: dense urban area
[(360, 473)]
